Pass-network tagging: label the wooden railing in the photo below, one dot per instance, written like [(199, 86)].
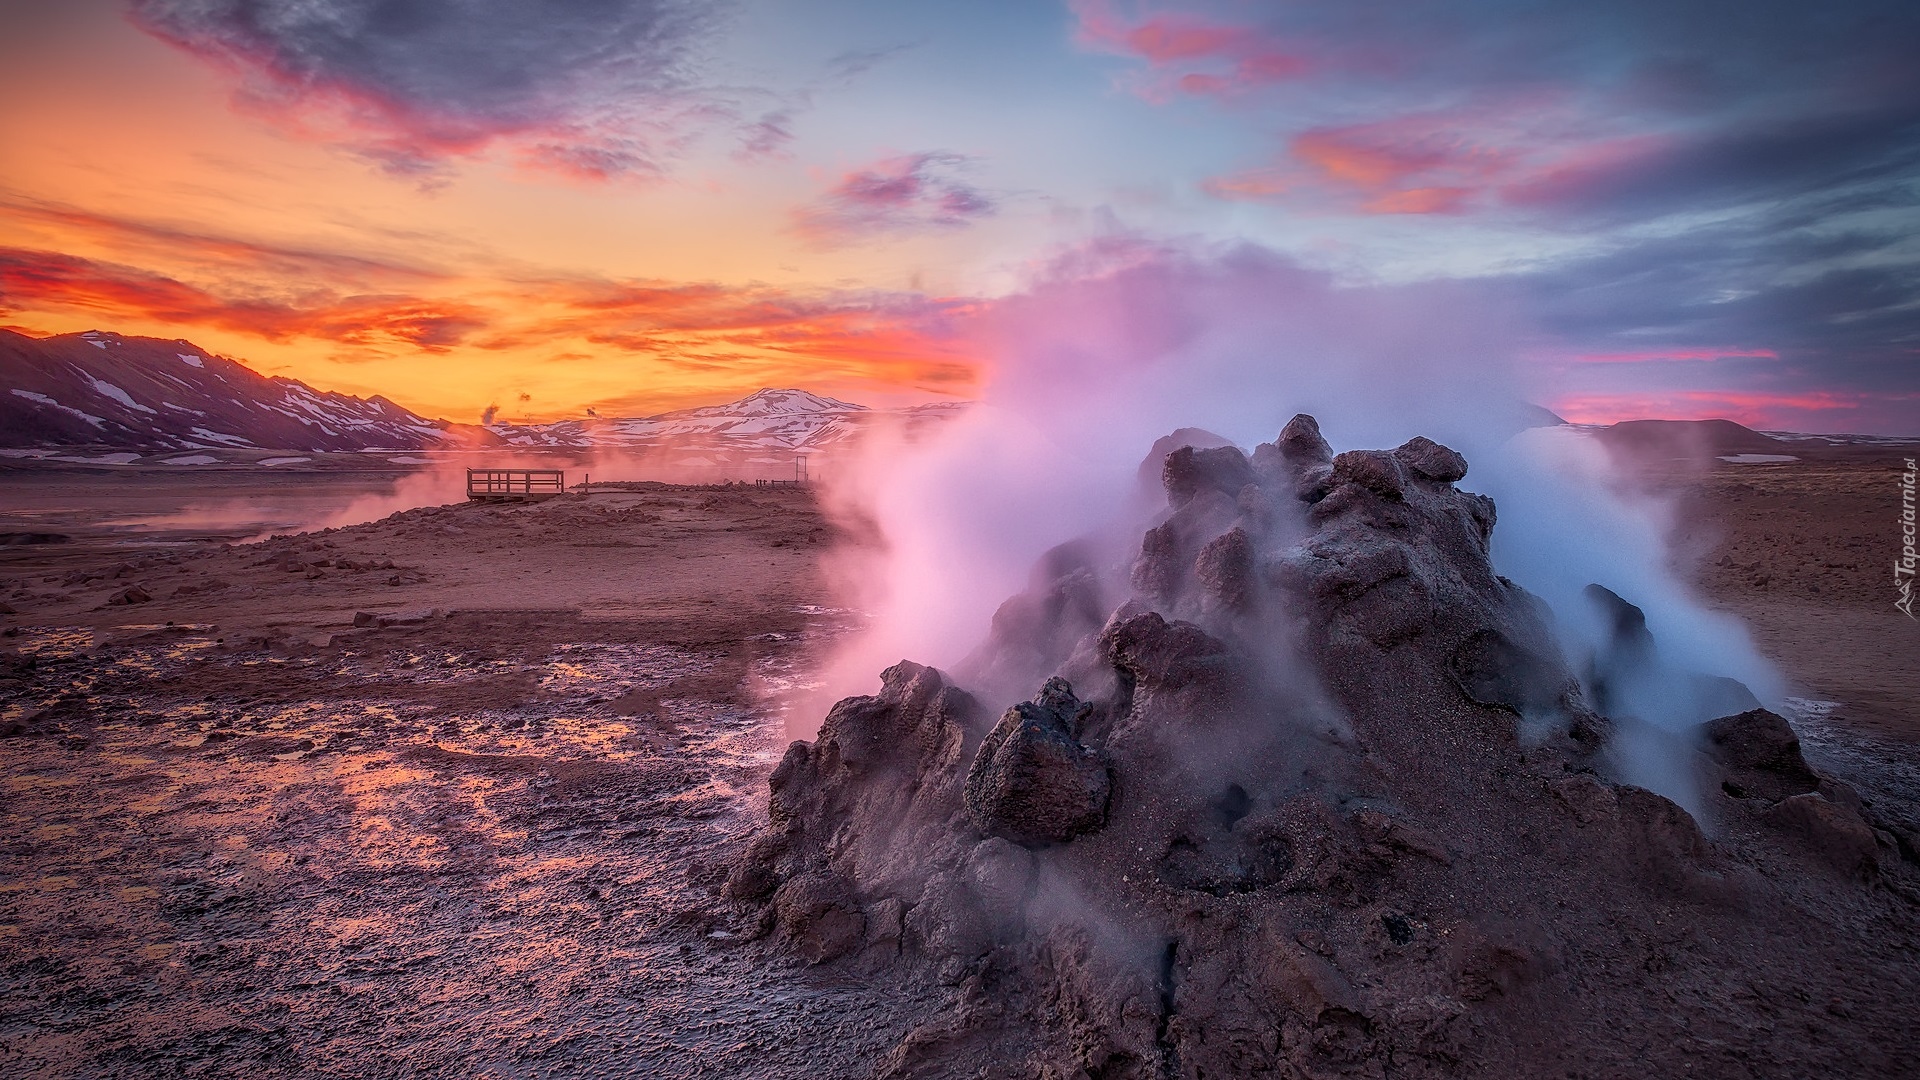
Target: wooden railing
[(515, 483)]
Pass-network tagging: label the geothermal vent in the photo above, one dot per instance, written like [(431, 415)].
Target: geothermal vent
[(1308, 790)]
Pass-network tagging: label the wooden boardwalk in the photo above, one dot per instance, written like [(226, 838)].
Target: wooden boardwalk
[(501, 485)]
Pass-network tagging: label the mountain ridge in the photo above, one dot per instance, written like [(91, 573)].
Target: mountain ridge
[(98, 388), (102, 389), (771, 419)]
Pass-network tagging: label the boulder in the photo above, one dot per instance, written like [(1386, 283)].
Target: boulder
[(817, 915), (1189, 471), (1032, 782), (1759, 756), (1377, 471), (1431, 461)]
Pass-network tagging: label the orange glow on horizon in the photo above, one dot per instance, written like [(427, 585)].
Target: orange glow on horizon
[(299, 258), (1755, 410)]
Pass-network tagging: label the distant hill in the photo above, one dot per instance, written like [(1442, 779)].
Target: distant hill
[(764, 420), (139, 393), (1532, 415), (1687, 438)]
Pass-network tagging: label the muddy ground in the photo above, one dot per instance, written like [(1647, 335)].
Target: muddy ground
[(480, 833), (241, 836)]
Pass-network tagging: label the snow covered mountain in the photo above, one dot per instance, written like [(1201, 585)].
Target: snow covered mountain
[(763, 420), (101, 389)]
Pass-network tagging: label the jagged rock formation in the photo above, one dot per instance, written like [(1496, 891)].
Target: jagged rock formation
[(1320, 797)]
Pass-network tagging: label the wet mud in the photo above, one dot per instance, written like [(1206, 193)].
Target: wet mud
[(264, 842)]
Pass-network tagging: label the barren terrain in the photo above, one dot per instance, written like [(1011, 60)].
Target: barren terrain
[(241, 835), (455, 791)]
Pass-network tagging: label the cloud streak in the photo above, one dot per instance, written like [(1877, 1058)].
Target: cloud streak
[(911, 193), (32, 281)]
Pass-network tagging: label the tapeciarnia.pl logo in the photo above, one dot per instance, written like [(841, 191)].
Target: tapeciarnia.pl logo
[(1903, 569)]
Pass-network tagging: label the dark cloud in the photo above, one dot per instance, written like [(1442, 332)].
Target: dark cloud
[(913, 193), (1667, 55), (217, 251), (1868, 155), (1746, 178), (1817, 292), (1815, 312), (413, 82), (1604, 110)]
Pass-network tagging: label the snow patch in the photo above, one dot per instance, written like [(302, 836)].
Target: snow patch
[(282, 460), (190, 360), (104, 459), (222, 437), (192, 459), (107, 389), (45, 400)]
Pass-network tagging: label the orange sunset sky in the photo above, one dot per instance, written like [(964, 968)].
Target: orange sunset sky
[(638, 206)]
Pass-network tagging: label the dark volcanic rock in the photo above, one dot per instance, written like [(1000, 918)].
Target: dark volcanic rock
[(1153, 465), (1431, 461), (1835, 833), (1032, 782), (1627, 668), (1189, 471), (1298, 462), (817, 915), (1302, 444), (1760, 756), (1225, 569), (1328, 802), (1378, 471)]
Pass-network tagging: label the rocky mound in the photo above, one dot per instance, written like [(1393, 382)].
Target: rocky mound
[(1321, 797)]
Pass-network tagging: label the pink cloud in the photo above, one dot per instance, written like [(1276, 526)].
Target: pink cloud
[(911, 193), (1187, 54), (1818, 410), (1519, 153)]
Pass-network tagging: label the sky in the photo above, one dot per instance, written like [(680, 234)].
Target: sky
[(1685, 208)]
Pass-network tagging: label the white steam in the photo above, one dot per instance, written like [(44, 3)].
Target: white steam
[(1089, 368)]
